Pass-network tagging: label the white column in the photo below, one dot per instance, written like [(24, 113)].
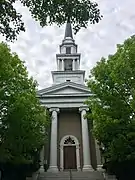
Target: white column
[(58, 65), (53, 148), (42, 160), (98, 157), (73, 64), (62, 65), (85, 141), (78, 66)]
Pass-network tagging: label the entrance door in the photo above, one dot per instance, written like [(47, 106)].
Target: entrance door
[(70, 157)]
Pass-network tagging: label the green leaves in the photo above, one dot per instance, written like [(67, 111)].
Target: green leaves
[(24, 122), (112, 84), (79, 12), (48, 12), (10, 21)]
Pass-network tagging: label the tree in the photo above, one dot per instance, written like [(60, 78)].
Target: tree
[(23, 122), (10, 21), (47, 12), (112, 83)]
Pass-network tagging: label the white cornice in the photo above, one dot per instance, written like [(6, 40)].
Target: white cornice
[(63, 102), (63, 85), (64, 95), (71, 43), (68, 55), (69, 72)]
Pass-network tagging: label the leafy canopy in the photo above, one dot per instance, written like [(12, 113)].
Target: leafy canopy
[(23, 122), (10, 21), (112, 83), (47, 12)]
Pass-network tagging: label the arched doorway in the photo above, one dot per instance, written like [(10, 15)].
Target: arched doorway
[(69, 153)]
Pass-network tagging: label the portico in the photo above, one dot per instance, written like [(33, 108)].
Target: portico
[(85, 142), (70, 144)]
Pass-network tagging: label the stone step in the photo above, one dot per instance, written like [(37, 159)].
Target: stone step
[(87, 175), (54, 176), (75, 176)]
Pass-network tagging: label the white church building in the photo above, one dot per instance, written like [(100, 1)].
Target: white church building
[(71, 144)]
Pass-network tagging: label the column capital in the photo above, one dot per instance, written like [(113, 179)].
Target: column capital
[(83, 108), (54, 109)]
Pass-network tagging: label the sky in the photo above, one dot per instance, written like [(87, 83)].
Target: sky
[(38, 46)]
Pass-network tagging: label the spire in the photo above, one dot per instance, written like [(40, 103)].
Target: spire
[(68, 31)]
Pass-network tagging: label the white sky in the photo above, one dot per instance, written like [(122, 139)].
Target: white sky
[(38, 46)]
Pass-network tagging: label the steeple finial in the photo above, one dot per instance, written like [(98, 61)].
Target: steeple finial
[(68, 31)]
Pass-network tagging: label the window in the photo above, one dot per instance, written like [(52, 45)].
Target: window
[(69, 140), (68, 50)]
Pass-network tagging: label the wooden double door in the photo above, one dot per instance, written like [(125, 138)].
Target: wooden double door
[(70, 157)]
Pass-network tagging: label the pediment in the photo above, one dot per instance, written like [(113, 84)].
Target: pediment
[(64, 89), (67, 90)]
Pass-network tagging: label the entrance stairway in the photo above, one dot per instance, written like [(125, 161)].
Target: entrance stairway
[(54, 176), (71, 176)]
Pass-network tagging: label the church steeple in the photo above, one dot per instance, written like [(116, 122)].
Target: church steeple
[(68, 60)]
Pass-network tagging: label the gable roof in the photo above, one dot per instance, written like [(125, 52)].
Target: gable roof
[(64, 89)]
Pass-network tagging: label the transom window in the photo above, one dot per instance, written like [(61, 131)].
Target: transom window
[(69, 140)]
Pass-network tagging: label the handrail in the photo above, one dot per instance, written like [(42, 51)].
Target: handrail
[(70, 174)]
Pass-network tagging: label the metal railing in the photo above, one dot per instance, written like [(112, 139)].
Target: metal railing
[(70, 174)]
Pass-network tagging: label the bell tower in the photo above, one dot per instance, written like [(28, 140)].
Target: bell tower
[(68, 61)]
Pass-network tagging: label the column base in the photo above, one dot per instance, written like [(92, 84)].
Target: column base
[(61, 169), (78, 169), (99, 168), (53, 169), (87, 168)]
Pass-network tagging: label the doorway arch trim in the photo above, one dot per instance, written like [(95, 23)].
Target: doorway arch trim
[(76, 144)]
